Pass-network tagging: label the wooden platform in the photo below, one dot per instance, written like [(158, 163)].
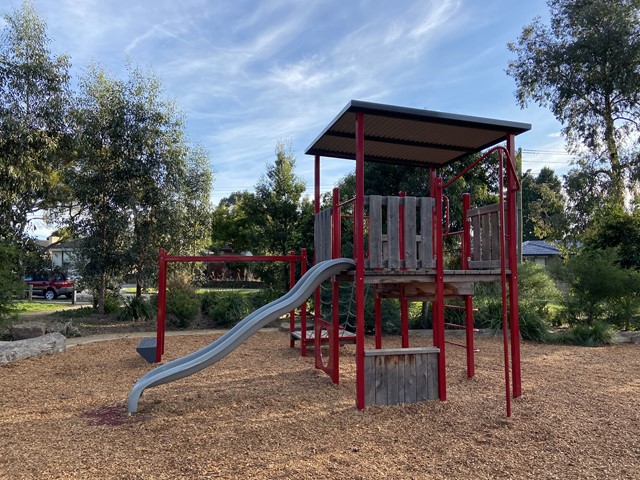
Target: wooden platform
[(345, 336)]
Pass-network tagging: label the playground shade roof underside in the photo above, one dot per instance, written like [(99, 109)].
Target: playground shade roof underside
[(410, 136)]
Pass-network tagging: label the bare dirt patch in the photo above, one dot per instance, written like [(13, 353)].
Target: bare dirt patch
[(264, 412)]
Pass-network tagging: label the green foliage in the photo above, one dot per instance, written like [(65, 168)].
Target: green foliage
[(543, 203), (34, 99), (228, 307), (593, 335), (600, 290), (619, 230), (136, 308), (584, 67), (183, 303)]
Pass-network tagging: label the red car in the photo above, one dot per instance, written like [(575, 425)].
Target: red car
[(51, 284)]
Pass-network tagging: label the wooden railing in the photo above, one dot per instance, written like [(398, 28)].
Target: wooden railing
[(400, 233), (485, 237)]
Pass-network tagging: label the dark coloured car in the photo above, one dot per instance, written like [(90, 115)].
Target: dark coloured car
[(51, 284)]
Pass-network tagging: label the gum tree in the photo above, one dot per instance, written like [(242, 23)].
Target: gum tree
[(585, 67)]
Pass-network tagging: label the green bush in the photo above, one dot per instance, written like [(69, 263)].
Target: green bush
[(183, 303), (600, 290), (596, 334), (136, 309), (226, 308)]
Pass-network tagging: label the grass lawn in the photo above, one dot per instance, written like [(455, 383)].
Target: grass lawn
[(199, 290), (23, 306)]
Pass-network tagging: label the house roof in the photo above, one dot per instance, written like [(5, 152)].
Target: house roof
[(537, 248), (410, 136)]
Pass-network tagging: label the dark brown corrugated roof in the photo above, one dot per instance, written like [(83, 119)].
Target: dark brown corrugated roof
[(410, 136)]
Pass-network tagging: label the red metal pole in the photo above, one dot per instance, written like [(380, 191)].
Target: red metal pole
[(468, 299), (439, 287), (162, 303), (317, 300), (404, 307), (292, 282), (377, 307), (336, 248), (303, 312), (358, 240), (503, 285), (514, 314)]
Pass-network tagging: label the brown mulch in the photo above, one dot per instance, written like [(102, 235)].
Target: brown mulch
[(264, 412)]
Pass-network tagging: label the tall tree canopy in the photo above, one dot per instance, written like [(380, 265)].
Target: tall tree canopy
[(137, 183), (34, 100), (543, 207), (585, 67)]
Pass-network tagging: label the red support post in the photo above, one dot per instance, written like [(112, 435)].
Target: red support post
[(468, 299), (334, 343), (438, 304), (317, 300), (292, 282), (404, 307), (162, 303), (358, 240), (503, 286), (514, 314), (303, 311)]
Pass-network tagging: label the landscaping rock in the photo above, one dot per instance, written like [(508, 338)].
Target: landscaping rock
[(65, 328), (25, 330), (48, 344)]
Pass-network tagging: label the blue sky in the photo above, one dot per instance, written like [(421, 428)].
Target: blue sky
[(248, 73)]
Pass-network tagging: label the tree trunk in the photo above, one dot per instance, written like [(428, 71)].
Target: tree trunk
[(102, 293), (616, 194)]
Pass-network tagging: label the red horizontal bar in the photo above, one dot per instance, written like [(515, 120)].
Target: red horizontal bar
[(347, 202), (235, 258), (454, 233), (460, 345), (455, 325)]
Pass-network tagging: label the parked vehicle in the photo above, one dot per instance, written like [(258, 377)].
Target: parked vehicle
[(52, 284)]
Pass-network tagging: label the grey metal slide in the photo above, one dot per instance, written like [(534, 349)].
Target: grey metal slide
[(220, 348)]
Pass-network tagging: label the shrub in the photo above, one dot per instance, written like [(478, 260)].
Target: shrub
[(136, 309), (598, 333), (226, 308), (9, 286), (183, 304)]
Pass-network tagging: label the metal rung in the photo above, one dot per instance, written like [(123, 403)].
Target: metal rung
[(460, 345), (455, 325)]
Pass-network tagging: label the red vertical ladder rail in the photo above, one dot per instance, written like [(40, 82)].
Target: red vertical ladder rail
[(438, 304), (336, 252), (358, 246), (468, 299), (503, 285), (317, 299), (404, 305)]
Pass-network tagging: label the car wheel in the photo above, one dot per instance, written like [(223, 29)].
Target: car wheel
[(50, 295)]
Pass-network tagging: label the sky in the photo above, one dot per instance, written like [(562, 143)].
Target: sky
[(250, 73)]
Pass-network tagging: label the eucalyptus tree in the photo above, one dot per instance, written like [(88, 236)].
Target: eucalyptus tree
[(138, 184), (585, 67), (34, 100)]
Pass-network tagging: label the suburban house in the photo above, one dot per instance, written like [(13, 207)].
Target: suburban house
[(62, 254), (540, 252)]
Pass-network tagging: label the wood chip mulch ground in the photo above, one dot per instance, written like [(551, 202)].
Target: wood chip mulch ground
[(264, 412)]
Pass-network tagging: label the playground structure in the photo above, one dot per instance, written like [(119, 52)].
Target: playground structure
[(398, 248), (398, 240)]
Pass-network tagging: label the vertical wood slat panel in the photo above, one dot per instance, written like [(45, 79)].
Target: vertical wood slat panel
[(485, 238), (370, 380), (375, 231), (410, 379), (393, 225), (401, 380), (432, 376), (426, 236), (381, 382), (322, 235), (391, 368), (410, 252), (393, 376), (495, 235)]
